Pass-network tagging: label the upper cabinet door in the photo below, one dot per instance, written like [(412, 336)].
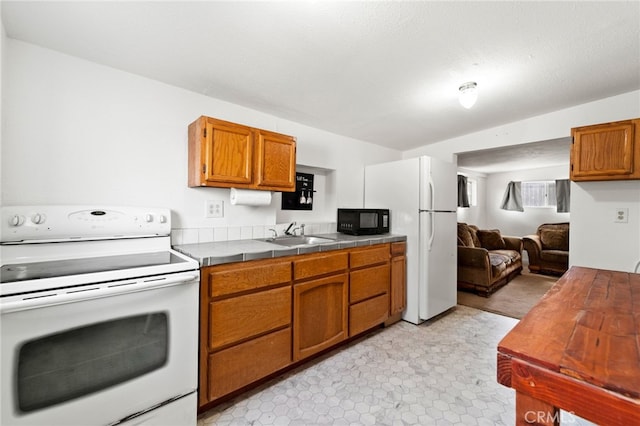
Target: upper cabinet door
[(275, 161), (227, 153), (608, 151)]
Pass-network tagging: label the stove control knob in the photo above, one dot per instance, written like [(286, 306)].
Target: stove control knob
[(148, 218), (38, 218), (162, 219), (16, 220)]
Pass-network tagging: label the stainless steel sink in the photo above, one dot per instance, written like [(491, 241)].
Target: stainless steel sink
[(300, 240)]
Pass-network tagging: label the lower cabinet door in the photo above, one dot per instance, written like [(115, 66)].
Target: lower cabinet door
[(232, 368), (368, 314), (320, 314), (398, 287)]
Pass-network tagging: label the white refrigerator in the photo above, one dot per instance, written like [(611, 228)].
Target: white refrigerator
[(421, 194)]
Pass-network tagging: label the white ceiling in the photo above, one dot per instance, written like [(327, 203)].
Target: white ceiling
[(526, 156), (384, 72)]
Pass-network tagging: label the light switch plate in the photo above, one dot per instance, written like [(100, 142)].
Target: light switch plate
[(213, 208), (622, 215)]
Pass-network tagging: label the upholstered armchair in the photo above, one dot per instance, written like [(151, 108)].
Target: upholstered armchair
[(548, 249)]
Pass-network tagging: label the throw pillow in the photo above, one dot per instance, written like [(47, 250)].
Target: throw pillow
[(473, 230), (491, 239), (464, 236)]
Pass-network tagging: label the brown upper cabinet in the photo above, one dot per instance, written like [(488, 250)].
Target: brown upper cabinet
[(224, 154), (609, 151)]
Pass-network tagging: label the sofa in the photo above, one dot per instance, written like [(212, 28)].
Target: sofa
[(548, 249), (487, 260)]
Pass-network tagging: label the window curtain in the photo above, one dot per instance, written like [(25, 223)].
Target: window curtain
[(563, 195), (512, 199), (463, 194)]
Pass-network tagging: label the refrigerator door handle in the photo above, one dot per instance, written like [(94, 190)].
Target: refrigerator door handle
[(432, 234), (432, 196), (432, 217)]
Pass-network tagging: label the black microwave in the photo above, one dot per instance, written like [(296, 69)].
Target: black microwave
[(363, 221)]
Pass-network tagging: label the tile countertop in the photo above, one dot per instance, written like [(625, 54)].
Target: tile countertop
[(215, 253)]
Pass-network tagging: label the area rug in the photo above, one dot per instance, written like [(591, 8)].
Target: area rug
[(514, 299)]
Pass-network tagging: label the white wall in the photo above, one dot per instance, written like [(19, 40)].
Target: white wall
[(591, 203), (596, 240), (80, 133), (3, 38), (521, 223)]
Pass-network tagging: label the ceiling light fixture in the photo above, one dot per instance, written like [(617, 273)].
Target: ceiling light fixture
[(468, 94)]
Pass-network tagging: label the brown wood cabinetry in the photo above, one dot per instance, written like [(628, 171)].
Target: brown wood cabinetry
[(398, 286), (224, 154), (320, 302), (245, 309), (368, 287), (320, 314), (609, 151), (262, 316)]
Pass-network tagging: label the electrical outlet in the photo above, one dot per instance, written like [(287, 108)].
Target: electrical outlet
[(213, 208), (622, 215)]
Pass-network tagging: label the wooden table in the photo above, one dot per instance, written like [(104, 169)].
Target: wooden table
[(578, 350)]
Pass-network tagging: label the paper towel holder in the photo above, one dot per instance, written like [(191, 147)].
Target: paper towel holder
[(249, 197)]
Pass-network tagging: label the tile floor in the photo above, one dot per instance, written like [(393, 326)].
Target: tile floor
[(439, 373)]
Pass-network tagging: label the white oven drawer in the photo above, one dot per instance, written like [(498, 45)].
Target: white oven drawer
[(97, 360)]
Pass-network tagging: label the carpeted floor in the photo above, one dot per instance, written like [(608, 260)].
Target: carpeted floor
[(514, 299)]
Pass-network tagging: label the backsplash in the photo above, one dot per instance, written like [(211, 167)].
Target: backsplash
[(181, 236)]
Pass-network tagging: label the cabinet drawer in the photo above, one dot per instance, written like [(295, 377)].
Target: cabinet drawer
[(369, 256), (368, 314), (398, 249), (320, 264), (235, 367), (239, 318), (369, 282), (224, 280)]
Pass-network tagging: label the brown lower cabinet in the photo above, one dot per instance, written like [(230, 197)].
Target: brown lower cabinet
[(368, 287), (320, 314), (398, 285), (233, 368), (260, 317)]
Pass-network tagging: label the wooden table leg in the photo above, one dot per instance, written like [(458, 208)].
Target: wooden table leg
[(531, 411)]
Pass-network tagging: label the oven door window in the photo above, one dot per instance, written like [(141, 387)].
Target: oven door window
[(60, 367)]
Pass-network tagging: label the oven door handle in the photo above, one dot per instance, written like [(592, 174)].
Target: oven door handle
[(96, 291)]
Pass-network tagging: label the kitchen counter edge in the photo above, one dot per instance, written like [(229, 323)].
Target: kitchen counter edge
[(219, 252)]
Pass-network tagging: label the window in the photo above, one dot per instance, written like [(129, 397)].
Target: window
[(539, 194), (472, 191)]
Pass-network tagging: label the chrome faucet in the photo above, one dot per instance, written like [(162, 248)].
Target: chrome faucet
[(288, 230), (275, 233)]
